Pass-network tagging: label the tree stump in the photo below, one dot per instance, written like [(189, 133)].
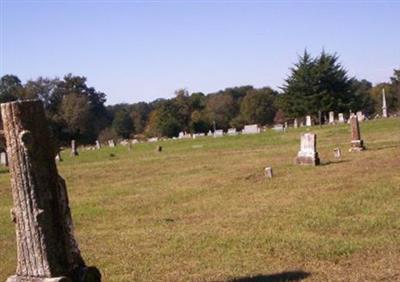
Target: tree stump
[(46, 247)]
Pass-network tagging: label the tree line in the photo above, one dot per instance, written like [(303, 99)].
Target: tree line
[(315, 86)]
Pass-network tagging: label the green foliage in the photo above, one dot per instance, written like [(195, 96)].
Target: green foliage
[(258, 106), (122, 124), (10, 88), (317, 84)]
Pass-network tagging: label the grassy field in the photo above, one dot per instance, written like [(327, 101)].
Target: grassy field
[(202, 210)]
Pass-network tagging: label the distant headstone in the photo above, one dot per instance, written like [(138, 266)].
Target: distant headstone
[(111, 143), (384, 108), (357, 144), (295, 123), (331, 117), (58, 157), (3, 159), (268, 172), (134, 141), (124, 142), (98, 145), (308, 154), (232, 131), (251, 129), (308, 121), (341, 118), (278, 127), (209, 133), (152, 140), (337, 153), (218, 133), (159, 148), (74, 149), (301, 123), (360, 116)]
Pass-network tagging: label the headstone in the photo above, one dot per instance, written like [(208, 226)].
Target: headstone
[(58, 157), (218, 133), (232, 132), (337, 153), (331, 117), (209, 133), (357, 144), (74, 149), (268, 172), (111, 143), (46, 246), (384, 108), (159, 148), (341, 118), (295, 123), (308, 121), (98, 145), (278, 127), (360, 116), (301, 123), (3, 159), (124, 142), (251, 129), (152, 140), (308, 154)]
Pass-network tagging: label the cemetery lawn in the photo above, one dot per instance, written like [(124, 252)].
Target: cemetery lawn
[(202, 210)]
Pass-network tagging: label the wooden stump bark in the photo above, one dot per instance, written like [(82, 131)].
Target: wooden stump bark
[(46, 247)]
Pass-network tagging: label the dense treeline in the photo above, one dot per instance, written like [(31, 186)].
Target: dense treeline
[(315, 86)]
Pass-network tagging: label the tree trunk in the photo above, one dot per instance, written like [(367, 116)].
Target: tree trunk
[(46, 247)]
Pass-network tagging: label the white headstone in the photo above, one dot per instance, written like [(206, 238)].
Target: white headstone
[(278, 127), (3, 158), (295, 123), (251, 129), (111, 143), (384, 108), (308, 121), (268, 172), (232, 131), (98, 145), (218, 133), (308, 150), (341, 118), (331, 117), (360, 116)]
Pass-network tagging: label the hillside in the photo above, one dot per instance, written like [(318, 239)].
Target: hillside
[(202, 210)]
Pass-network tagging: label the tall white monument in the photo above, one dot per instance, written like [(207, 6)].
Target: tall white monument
[(384, 108)]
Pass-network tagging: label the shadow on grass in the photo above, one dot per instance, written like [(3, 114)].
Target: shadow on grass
[(277, 277), (323, 163)]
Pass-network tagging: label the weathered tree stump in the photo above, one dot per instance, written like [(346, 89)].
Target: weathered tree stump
[(46, 247)]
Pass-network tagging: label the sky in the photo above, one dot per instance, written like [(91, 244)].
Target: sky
[(143, 50)]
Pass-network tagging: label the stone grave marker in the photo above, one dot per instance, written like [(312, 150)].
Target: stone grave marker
[(251, 129), (308, 154), (384, 107), (357, 144), (331, 117), (308, 121), (74, 149), (337, 153), (268, 172)]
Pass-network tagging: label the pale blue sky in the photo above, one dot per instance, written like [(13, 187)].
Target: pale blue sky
[(142, 50)]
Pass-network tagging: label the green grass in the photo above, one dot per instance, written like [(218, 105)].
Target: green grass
[(201, 210)]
